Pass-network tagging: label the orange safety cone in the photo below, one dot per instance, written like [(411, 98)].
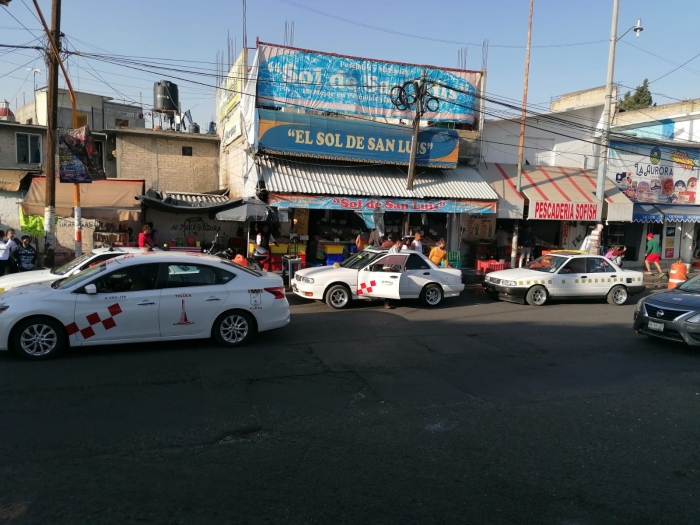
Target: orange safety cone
[(677, 275)]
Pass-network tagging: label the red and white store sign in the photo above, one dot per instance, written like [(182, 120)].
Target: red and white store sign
[(566, 211)]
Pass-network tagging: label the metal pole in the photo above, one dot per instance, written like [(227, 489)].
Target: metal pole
[(51, 136), (418, 88), (521, 142), (605, 136)]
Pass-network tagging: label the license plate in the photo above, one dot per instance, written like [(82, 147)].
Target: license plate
[(659, 327)]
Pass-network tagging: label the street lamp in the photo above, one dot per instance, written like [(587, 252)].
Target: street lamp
[(605, 138), (35, 71)]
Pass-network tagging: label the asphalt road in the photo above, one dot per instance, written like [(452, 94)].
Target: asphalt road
[(478, 412)]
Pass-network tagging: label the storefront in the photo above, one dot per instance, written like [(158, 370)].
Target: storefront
[(674, 226), (560, 204), (330, 202)]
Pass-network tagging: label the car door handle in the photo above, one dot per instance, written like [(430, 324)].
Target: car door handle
[(214, 299), (394, 276), (426, 273), (145, 303), (584, 277)]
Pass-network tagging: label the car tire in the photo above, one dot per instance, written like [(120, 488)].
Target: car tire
[(536, 296), (38, 338), (431, 295), (617, 295), (338, 296), (234, 328)]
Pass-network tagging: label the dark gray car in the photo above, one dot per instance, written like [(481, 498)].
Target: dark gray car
[(672, 315)]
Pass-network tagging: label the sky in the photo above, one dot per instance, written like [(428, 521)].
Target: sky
[(183, 31)]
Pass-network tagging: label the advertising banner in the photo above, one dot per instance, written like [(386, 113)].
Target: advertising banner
[(298, 78), (565, 211), (354, 140), (231, 87), (79, 161), (380, 204), (655, 174), (476, 227)]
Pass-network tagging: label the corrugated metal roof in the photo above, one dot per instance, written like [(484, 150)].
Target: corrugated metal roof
[(195, 198), (326, 178)]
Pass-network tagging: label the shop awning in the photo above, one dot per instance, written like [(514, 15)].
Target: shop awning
[(556, 193), (246, 210), (323, 177), (679, 212), (647, 213), (179, 202), (104, 200), (10, 180)]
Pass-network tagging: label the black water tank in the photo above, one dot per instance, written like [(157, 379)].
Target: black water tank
[(166, 98), (194, 128)]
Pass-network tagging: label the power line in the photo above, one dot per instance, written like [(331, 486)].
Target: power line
[(20, 23), (432, 39), (676, 69), (660, 57)]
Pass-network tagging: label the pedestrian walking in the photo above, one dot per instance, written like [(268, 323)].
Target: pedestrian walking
[(526, 246), (4, 254), (653, 254), (25, 255), (417, 245), (502, 243)]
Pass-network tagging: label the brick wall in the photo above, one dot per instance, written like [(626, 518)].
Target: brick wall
[(159, 161)]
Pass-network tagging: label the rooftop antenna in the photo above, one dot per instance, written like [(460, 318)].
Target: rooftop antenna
[(288, 33), (245, 30), (462, 58)]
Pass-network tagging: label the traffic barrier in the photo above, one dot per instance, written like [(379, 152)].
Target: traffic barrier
[(677, 275)]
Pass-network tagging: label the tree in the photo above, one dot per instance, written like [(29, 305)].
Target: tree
[(639, 100)]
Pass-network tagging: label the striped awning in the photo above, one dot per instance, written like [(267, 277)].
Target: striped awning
[(555, 193)]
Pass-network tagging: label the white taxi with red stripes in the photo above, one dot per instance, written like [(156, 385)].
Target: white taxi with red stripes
[(158, 296), (376, 274)]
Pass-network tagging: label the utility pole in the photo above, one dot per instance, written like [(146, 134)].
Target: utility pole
[(52, 136), (418, 86), (521, 142), (605, 136)]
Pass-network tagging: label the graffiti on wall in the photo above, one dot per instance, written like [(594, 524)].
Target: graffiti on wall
[(195, 225)]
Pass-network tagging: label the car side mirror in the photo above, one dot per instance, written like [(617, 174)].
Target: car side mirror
[(90, 289)]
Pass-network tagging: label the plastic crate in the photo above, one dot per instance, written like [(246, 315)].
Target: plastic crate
[(332, 259), (279, 248), (334, 249)]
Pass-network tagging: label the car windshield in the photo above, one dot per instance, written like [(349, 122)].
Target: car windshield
[(70, 266), (691, 285), (547, 263), (360, 260), (239, 267), (85, 275)]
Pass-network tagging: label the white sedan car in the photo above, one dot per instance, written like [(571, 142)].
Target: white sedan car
[(376, 274), (8, 282), (157, 296), (565, 275)]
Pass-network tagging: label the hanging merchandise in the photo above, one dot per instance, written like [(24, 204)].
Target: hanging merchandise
[(31, 224), (424, 219)]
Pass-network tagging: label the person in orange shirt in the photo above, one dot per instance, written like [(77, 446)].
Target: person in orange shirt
[(438, 253)]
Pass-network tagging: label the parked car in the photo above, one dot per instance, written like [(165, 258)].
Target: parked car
[(8, 282), (159, 296), (565, 274), (375, 274), (673, 315)]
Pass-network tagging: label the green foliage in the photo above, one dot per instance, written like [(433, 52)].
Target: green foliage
[(639, 100)]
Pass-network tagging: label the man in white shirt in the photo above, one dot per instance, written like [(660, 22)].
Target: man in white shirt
[(416, 244), (4, 253)]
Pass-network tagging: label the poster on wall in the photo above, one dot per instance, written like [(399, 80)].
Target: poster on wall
[(298, 78), (476, 227), (229, 96), (655, 174), (79, 161), (669, 247)]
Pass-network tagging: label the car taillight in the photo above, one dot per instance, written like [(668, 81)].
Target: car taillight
[(277, 291)]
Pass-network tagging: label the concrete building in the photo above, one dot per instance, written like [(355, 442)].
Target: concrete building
[(166, 160), (97, 111)]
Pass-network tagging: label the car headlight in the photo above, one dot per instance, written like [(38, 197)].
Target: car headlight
[(695, 319), (510, 283), (640, 306), (307, 280)]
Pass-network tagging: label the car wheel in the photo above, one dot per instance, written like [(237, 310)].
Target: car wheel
[(38, 338), (234, 328), (536, 296), (617, 295), (431, 295), (338, 297)]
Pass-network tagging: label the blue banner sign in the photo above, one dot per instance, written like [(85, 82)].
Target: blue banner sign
[(365, 204), (297, 78), (354, 140)]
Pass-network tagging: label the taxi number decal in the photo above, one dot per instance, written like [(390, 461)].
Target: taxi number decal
[(113, 297)]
